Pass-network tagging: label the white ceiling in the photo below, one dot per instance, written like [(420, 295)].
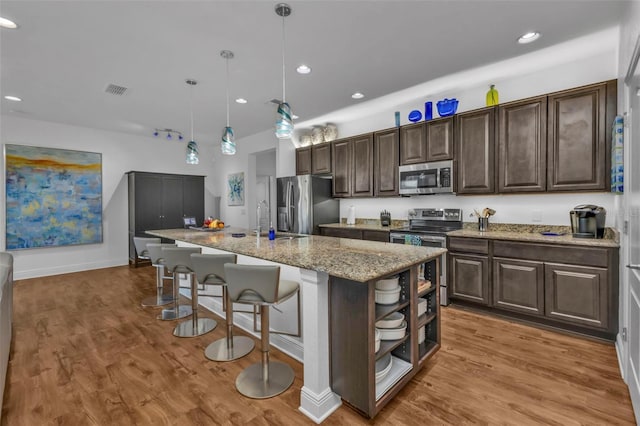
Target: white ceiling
[(65, 53)]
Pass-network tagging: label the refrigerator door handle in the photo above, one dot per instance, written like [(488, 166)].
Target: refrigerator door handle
[(290, 207)]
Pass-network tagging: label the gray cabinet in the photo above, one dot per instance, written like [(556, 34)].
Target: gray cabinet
[(522, 146), (160, 201), (475, 140), (386, 146), (518, 285), (470, 277), (577, 294)]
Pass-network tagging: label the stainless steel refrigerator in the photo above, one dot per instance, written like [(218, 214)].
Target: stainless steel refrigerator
[(304, 202)]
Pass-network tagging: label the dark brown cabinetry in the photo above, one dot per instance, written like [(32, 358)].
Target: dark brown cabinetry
[(314, 159), (160, 201), (426, 141), (579, 128), (352, 331), (522, 146), (563, 286), (356, 234), (385, 171), (475, 140), (352, 165), (518, 285)]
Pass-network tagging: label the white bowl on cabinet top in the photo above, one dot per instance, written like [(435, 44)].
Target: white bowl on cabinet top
[(389, 283), (393, 320), (388, 297)]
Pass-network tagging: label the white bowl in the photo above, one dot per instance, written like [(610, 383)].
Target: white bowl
[(393, 333), (383, 366), (393, 320), (422, 306), (388, 283), (377, 340), (388, 297)]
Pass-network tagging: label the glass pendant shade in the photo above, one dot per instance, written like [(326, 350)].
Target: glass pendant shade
[(192, 152), (228, 144), (284, 123)]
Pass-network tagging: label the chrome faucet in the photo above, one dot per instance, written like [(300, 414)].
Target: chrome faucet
[(262, 204)]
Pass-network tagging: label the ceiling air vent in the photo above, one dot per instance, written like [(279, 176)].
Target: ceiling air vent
[(114, 89)]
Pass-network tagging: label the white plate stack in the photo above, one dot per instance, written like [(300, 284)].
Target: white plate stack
[(383, 366), (392, 327), (388, 291)]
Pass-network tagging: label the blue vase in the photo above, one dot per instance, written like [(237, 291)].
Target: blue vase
[(415, 116), (428, 111)]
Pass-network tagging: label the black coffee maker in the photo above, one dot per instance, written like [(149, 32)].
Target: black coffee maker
[(587, 221)]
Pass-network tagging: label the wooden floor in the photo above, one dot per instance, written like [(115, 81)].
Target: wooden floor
[(86, 353)]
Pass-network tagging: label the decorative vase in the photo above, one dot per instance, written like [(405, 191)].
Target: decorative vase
[(415, 116), (317, 135), (330, 132), (492, 96), (428, 111)]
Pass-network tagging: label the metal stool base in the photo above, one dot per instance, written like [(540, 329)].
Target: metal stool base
[(218, 350), (153, 301), (170, 313), (250, 383), (193, 328)]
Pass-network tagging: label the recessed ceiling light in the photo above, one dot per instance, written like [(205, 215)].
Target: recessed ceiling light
[(241, 101), (13, 98), (303, 69), (357, 95), (528, 37), (6, 23), (295, 117)]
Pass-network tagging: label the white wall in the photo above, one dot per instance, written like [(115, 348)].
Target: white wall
[(582, 61), (120, 153)]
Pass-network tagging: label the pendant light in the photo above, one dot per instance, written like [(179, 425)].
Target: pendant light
[(192, 146), (284, 123), (228, 144)]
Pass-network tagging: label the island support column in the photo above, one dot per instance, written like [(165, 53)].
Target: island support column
[(317, 400)]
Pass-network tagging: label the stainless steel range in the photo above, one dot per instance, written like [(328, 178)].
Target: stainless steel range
[(428, 227)]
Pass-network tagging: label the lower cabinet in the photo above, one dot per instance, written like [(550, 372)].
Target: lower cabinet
[(357, 368), (470, 277), (569, 287), (356, 234)]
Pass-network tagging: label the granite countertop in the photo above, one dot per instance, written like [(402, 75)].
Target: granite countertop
[(532, 233), (356, 260)]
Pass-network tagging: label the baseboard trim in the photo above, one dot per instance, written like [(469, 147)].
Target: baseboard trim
[(67, 269)]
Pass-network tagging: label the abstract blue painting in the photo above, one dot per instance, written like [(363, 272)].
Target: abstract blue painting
[(235, 191), (54, 197)]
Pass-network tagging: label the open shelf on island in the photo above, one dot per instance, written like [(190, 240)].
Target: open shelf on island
[(399, 368)]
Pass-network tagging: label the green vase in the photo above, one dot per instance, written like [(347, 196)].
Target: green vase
[(492, 96)]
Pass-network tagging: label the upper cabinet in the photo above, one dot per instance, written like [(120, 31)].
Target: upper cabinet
[(314, 159), (475, 139), (385, 165), (579, 136), (352, 165), (426, 141), (522, 146)]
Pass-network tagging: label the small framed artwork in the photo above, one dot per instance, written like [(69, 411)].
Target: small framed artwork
[(54, 197), (235, 189)]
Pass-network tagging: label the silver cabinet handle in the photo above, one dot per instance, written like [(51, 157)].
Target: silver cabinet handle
[(634, 267)]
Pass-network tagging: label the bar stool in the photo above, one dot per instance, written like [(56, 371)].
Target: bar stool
[(178, 261), (209, 270), (262, 286), (142, 250)]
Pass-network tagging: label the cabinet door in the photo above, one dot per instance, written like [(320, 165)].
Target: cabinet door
[(577, 294), (518, 285), (172, 199), (522, 146), (386, 146), (355, 234), (303, 161), (148, 202), (372, 235), (362, 166), (413, 144), (577, 137), (321, 159), (439, 135), (470, 277), (475, 139), (193, 197), (341, 153)]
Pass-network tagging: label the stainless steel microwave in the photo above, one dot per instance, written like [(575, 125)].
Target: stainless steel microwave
[(427, 178)]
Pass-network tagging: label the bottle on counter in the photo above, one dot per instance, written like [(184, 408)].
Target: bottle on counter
[(272, 232)]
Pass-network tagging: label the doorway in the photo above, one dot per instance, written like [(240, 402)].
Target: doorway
[(265, 190)]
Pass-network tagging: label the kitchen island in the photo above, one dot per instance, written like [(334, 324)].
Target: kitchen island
[(323, 262)]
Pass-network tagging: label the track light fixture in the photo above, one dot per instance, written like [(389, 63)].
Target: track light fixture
[(169, 134)]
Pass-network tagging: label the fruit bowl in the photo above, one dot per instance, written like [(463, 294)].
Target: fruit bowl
[(447, 107)]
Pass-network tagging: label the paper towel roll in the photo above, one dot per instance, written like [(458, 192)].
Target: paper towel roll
[(351, 216)]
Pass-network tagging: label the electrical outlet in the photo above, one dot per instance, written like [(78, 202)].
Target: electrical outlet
[(536, 215)]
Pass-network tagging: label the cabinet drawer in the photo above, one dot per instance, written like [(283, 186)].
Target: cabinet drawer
[(589, 256), (342, 233), (371, 235), (468, 245)]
